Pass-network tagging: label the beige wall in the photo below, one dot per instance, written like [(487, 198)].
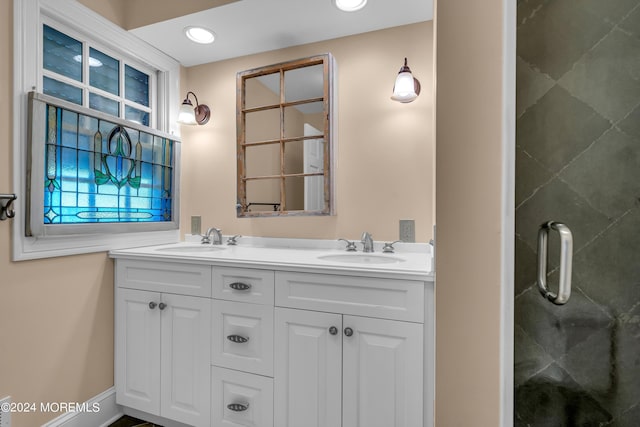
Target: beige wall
[(131, 14), (56, 315), (385, 150), (114, 10), (470, 217)]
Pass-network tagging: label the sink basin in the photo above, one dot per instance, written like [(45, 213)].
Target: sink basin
[(192, 248), (361, 258)]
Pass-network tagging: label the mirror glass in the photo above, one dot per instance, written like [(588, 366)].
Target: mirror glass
[(285, 139)]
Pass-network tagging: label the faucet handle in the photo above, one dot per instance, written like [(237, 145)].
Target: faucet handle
[(205, 239), (388, 247), (232, 241), (351, 246)]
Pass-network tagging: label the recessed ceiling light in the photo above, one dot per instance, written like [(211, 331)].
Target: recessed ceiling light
[(349, 5), (93, 62), (200, 35)]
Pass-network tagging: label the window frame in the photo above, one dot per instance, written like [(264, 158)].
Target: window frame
[(32, 14), (85, 84)]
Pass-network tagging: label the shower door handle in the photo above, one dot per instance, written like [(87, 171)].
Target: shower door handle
[(566, 261)]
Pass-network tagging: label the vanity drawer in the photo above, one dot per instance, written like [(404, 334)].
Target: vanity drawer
[(361, 296), (242, 337), (243, 284), (168, 277), (240, 399)]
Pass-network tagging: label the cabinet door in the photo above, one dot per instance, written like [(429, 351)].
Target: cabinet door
[(382, 373), (308, 373), (137, 361), (185, 369)]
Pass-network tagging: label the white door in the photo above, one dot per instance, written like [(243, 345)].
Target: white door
[(382, 373), (313, 163), (185, 369), (308, 369), (137, 363)]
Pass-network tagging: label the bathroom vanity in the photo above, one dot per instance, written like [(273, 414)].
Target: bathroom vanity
[(275, 332)]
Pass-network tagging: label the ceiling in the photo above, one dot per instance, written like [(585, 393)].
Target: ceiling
[(251, 26)]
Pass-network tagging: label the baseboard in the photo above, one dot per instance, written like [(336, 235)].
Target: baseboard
[(107, 413)]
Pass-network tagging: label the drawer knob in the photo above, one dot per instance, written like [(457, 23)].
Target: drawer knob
[(239, 286), (333, 330), (239, 339), (162, 306), (348, 331), (238, 407), (152, 305)]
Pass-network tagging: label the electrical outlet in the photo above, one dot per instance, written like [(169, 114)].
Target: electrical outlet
[(407, 231), (196, 225)]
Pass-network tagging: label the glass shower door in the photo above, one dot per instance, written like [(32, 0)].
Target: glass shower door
[(578, 163)]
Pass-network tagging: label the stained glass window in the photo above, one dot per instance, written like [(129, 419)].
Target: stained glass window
[(100, 171)]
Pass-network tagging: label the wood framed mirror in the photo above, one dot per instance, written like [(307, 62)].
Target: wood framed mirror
[(285, 138)]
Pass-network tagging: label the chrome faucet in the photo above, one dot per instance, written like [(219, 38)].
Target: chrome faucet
[(367, 242), (216, 233)]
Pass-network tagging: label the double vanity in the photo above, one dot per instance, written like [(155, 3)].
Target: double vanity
[(275, 332)]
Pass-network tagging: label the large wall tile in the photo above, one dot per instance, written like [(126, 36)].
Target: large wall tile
[(558, 128), (558, 35), (613, 162), (609, 268), (556, 201), (607, 77), (557, 329), (553, 399)]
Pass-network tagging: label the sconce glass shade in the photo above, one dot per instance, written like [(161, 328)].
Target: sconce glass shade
[(407, 87), (188, 115)]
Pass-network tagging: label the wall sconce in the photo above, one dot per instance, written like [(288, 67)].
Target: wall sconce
[(192, 116), (407, 87)]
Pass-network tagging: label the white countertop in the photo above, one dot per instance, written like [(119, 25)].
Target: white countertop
[(410, 260)]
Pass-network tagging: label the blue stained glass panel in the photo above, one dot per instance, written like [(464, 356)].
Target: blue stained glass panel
[(136, 86), (61, 54), (109, 176), (69, 129), (106, 105), (87, 128), (62, 90), (104, 72)]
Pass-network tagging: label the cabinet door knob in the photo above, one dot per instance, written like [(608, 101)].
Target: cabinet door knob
[(162, 306), (152, 305), (239, 339), (333, 330), (238, 407), (348, 331), (239, 286)]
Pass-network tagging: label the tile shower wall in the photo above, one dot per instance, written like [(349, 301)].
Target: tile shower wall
[(578, 162)]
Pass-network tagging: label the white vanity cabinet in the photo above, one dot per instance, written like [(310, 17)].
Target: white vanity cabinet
[(335, 367), (162, 354), (245, 343)]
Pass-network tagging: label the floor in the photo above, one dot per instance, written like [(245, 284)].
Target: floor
[(127, 421)]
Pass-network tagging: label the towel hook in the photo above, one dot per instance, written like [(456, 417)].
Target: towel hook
[(6, 203)]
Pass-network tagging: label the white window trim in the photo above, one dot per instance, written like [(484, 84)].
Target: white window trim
[(28, 17)]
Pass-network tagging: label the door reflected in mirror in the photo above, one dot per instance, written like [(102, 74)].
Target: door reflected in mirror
[(285, 143)]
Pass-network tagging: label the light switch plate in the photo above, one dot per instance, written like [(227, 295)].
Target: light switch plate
[(407, 231), (196, 225)]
